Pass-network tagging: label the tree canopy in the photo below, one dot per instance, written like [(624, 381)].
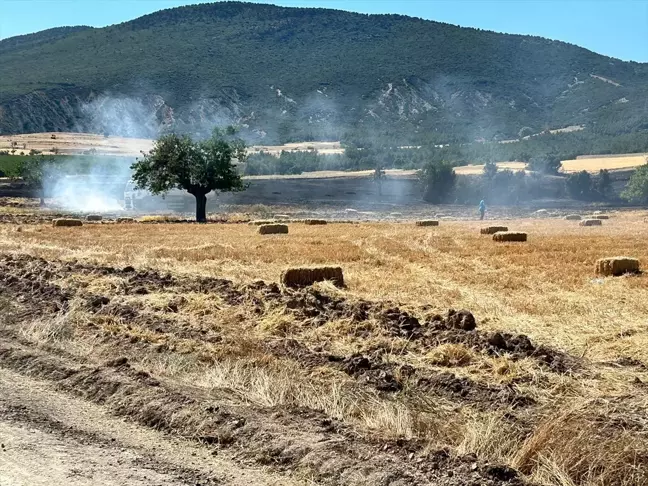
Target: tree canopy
[(637, 188), (40, 173), (198, 167)]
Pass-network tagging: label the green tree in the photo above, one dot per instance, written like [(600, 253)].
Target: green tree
[(198, 167), (637, 188), (378, 177), (547, 164), (39, 174), (580, 185), (438, 181), (604, 183), (490, 170)]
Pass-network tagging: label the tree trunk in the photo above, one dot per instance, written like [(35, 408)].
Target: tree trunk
[(201, 207)]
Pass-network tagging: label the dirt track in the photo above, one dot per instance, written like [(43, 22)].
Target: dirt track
[(50, 438)]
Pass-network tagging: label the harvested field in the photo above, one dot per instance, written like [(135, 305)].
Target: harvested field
[(446, 359), (76, 143), (596, 163)]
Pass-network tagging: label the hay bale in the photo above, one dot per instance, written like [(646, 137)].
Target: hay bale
[(314, 221), (273, 229), (491, 230), (302, 277), (602, 216), (591, 222), (617, 266), (260, 222), (510, 236), (67, 222), (125, 220), (94, 217), (427, 222), (573, 217)]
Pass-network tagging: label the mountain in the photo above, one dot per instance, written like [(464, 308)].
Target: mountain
[(302, 73)]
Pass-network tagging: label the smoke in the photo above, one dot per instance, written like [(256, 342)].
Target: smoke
[(88, 184), (126, 116)]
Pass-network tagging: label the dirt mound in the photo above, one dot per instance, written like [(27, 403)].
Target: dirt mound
[(26, 274)]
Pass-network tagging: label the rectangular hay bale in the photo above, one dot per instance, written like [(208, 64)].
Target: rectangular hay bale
[(313, 222), (617, 266), (67, 222), (602, 216), (303, 277), (94, 217), (491, 230), (591, 222), (573, 217), (510, 236), (260, 222), (427, 222), (273, 229)]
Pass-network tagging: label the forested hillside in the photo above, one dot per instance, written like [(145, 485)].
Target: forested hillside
[(297, 74)]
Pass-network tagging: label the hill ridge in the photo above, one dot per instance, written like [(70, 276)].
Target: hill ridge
[(287, 73)]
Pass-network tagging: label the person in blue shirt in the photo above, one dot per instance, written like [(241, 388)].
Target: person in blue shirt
[(482, 209)]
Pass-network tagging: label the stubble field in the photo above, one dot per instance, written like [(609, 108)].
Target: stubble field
[(169, 326)]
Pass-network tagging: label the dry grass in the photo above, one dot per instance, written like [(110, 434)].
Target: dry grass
[(544, 289)]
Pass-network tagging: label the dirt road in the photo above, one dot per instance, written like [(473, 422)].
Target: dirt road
[(49, 438)]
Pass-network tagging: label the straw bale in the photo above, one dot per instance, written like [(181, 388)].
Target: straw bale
[(302, 277), (273, 229), (617, 266), (510, 236)]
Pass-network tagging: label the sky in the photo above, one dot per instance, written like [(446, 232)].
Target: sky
[(616, 28)]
